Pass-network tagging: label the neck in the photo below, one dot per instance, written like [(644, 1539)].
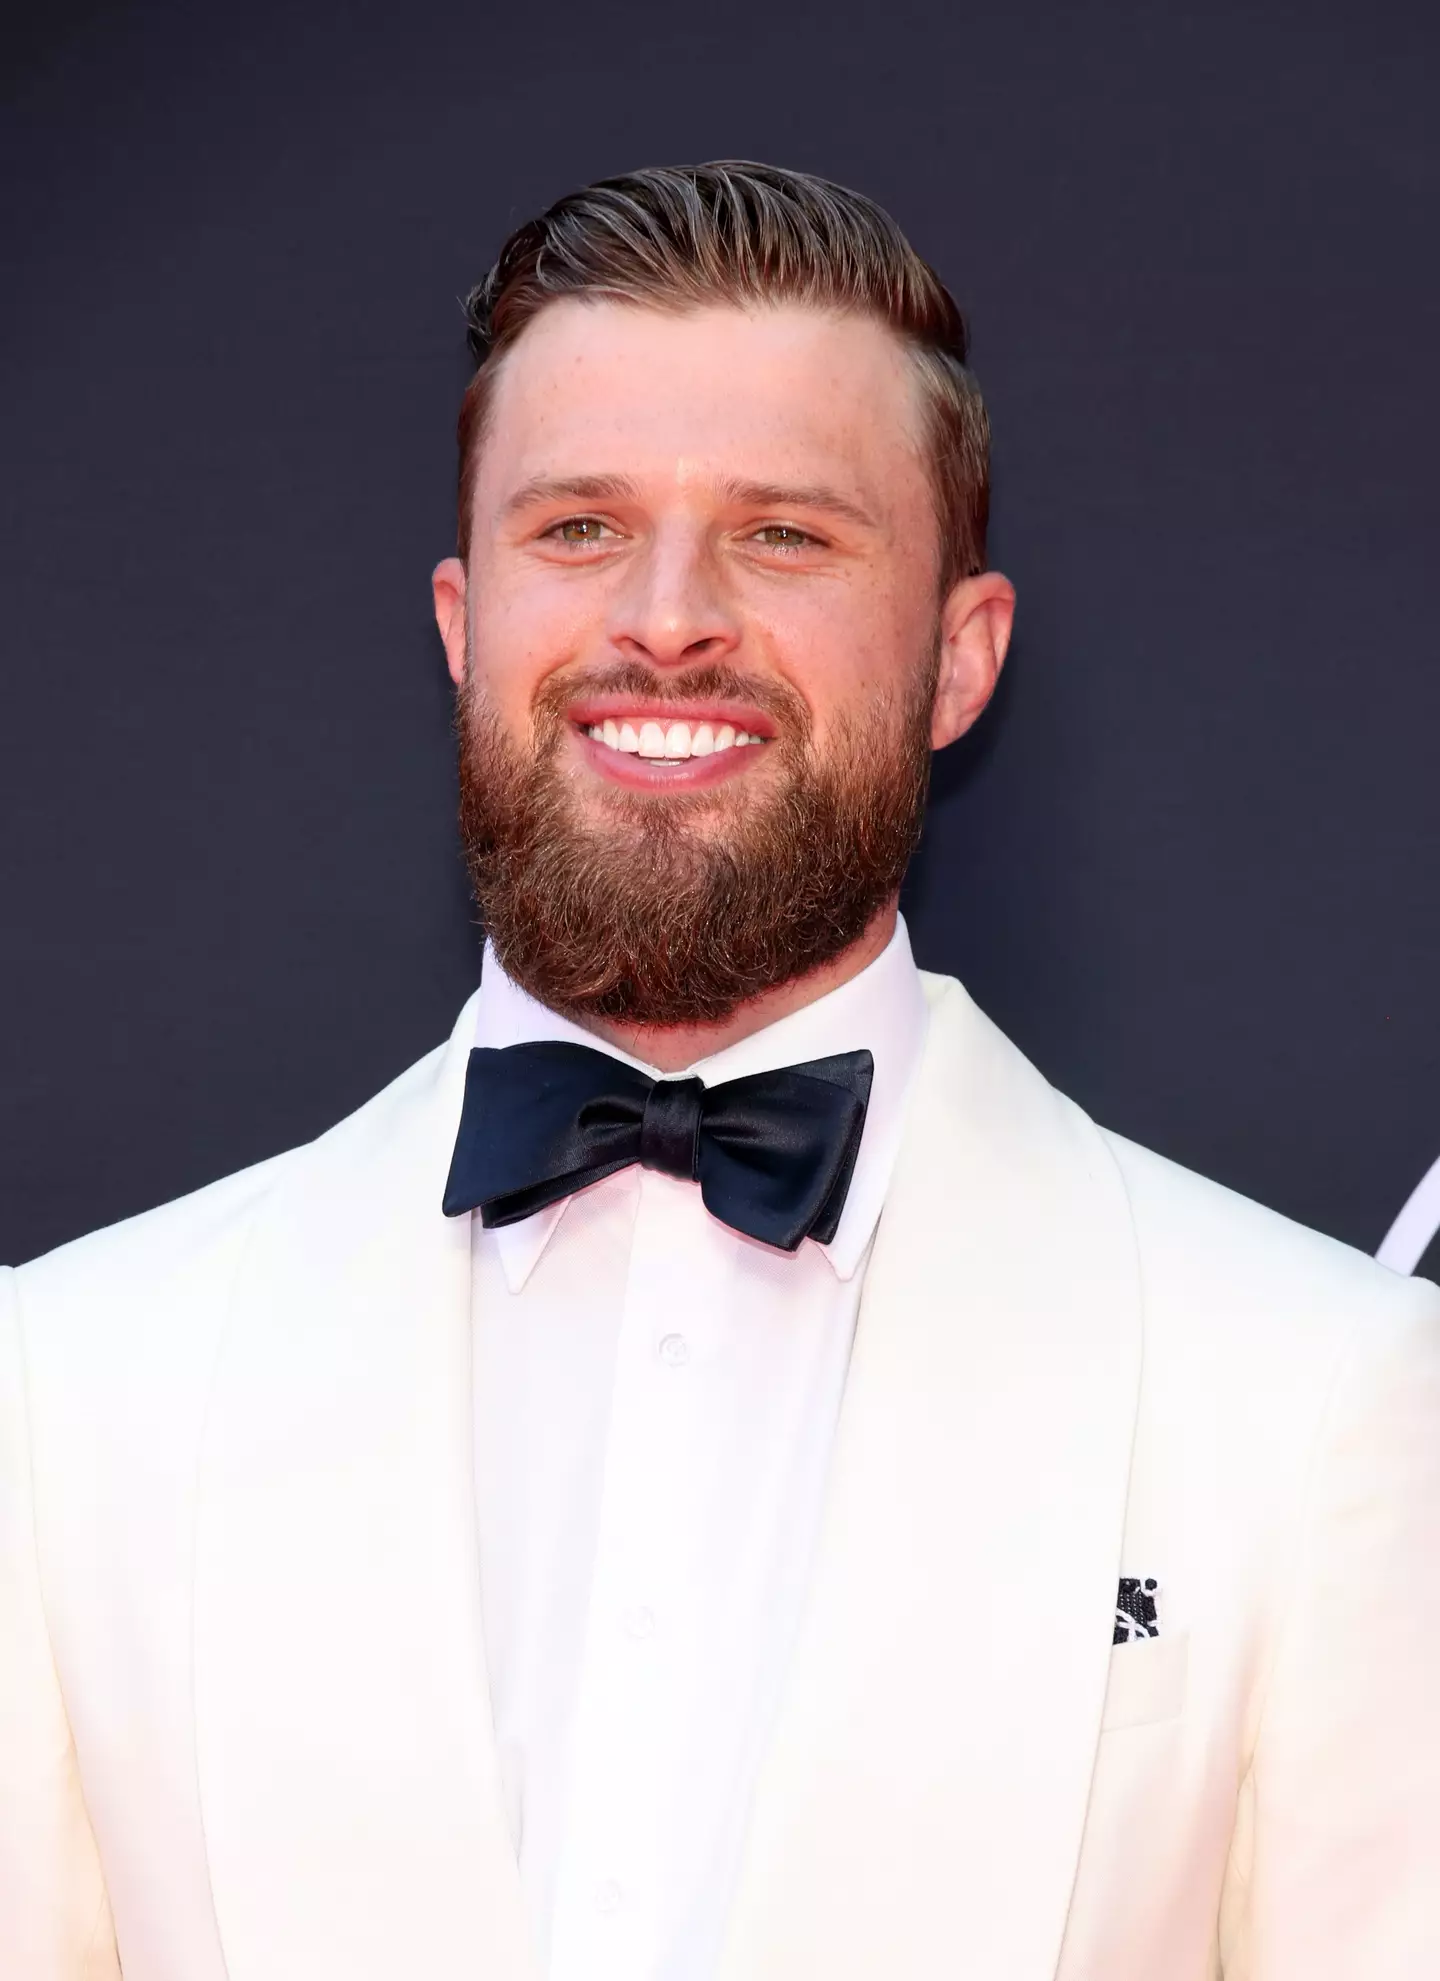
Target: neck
[(670, 1047)]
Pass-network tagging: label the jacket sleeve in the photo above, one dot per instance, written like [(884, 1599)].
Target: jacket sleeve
[(1342, 1803), (54, 1914)]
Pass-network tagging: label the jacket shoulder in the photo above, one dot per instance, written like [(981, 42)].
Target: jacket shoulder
[(197, 1234), (1231, 1265), (153, 1242)]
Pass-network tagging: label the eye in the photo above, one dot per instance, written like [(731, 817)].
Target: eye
[(782, 536), (579, 530)]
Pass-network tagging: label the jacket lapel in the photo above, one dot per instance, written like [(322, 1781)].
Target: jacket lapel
[(348, 1771), (921, 1806)]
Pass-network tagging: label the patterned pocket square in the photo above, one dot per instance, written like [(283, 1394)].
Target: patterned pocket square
[(1135, 1614)]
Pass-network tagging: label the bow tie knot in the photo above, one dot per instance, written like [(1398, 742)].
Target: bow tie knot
[(670, 1128), (773, 1152)]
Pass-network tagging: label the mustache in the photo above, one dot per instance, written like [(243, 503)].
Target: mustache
[(707, 680)]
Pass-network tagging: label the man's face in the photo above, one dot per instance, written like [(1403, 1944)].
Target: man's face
[(702, 592)]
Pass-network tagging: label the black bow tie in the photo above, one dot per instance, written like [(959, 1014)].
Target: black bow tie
[(772, 1153)]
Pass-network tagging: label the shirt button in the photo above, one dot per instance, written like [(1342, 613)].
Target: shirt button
[(640, 1622), (609, 1898), (674, 1351)]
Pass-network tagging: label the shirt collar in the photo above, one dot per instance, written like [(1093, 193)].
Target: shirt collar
[(882, 1008)]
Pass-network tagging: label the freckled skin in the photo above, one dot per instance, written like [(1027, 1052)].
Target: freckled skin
[(701, 417)]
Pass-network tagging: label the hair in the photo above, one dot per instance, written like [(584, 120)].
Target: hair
[(684, 237)]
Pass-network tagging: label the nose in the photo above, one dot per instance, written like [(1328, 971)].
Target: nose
[(673, 608)]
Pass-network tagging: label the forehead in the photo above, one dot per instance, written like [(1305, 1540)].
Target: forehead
[(765, 394)]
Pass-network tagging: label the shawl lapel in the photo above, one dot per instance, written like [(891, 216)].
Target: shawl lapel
[(921, 1807), (348, 1772)]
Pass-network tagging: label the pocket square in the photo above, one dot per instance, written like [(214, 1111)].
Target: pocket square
[(1135, 1613)]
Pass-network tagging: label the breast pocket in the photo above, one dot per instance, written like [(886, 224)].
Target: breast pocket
[(1147, 1681)]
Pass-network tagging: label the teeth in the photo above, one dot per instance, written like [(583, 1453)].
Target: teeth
[(672, 742)]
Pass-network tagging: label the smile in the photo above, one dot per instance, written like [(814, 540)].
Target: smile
[(669, 742)]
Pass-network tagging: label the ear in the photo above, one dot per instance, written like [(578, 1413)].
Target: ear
[(447, 582), (974, 634)]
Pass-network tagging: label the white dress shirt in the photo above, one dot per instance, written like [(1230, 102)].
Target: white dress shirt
[(655, 1401)]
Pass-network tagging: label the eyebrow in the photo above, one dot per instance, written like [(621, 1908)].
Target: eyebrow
[(747, 494), (798, 495), (572, 488)]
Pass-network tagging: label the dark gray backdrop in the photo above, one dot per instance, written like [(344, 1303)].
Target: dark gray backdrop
[(1191, 860)]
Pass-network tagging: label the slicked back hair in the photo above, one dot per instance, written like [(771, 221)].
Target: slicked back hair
[(686, 237)]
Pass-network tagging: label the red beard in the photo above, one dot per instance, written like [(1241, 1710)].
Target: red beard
[(679, 908)]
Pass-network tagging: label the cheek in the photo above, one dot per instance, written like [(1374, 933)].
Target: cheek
[(847, 647), (519, 635)]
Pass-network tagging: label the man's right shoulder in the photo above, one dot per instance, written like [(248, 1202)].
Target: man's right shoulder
[(155, 1244), (193, 1239), (115, 1333)]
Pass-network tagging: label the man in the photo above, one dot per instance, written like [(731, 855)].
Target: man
[(828, 1509)]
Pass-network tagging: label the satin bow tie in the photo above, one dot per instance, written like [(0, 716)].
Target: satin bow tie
[(772, 1152)]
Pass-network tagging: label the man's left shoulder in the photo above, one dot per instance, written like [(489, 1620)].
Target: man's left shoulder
[(1253, 1281)]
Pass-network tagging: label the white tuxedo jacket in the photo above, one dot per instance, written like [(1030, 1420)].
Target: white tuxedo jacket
[(244, 1727)]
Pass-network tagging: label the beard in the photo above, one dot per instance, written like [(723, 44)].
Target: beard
[(675, 909)]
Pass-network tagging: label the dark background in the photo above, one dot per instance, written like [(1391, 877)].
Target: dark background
[(1190, 862)]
